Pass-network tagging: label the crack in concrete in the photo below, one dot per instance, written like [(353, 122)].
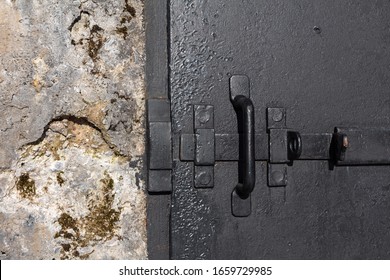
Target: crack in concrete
[(79, 121)]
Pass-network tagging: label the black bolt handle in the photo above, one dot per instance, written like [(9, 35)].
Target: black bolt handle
[(246, 129)]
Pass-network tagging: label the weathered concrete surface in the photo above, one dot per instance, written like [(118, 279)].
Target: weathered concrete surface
[(72, 129)]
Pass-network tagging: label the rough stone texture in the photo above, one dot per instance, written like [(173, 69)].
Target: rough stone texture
[(72, 129)]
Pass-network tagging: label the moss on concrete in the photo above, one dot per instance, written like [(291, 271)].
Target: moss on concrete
[(26, 186)]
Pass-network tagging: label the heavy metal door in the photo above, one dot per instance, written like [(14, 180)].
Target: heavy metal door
[(280, 129)]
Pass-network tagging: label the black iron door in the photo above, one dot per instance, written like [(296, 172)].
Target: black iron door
[(280, 114)]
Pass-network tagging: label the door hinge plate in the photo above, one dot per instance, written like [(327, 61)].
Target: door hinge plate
[(160, 146)]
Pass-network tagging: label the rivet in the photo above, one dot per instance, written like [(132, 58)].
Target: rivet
[(278, 176), (204, 116), (277, 115), (204, 178)]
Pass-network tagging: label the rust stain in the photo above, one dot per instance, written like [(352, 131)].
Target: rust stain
[(96, 113), (40, 71)]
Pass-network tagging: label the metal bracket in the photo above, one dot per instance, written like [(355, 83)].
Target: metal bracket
[(278, 147), (241, 207), (277, 175), (160, 147), (202, 146), (352, 146)]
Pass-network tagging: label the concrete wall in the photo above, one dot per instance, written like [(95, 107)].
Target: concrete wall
[(72, 129)]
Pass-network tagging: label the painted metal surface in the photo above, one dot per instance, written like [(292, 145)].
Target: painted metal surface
[(326, 64)]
